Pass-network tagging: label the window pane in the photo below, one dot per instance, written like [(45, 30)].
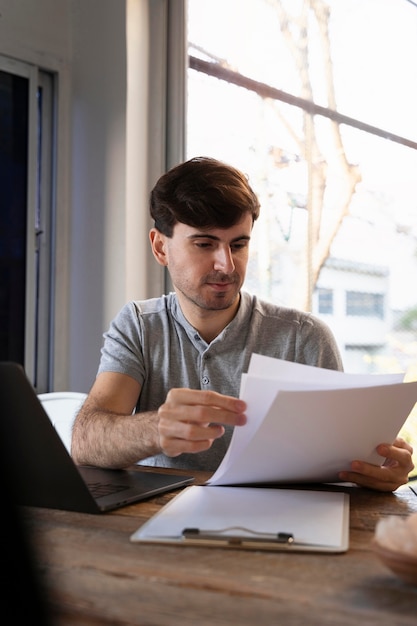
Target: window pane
[(325, 301), (13, 226), (26, 218), (360, 43), (365, 304), (338, 201)]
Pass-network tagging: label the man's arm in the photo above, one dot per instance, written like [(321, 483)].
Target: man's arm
[(106, 432)]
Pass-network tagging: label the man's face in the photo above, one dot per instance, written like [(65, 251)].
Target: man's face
[(207, 267)]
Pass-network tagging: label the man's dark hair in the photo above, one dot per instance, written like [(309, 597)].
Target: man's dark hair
[(203, 193)]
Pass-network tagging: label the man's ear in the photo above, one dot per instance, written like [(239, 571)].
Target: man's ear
[(158, 240)]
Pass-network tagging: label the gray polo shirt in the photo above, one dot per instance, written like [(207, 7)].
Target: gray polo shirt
[(152, 342)]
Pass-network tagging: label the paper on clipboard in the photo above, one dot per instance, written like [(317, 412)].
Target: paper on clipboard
[(317, 520), (306, 424)]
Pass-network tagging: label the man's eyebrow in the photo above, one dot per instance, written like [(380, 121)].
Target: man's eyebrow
[(214, 238)]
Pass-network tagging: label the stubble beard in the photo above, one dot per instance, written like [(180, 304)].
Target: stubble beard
[(216, 301)]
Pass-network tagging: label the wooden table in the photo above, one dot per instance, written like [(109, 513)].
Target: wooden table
[(94, 575)]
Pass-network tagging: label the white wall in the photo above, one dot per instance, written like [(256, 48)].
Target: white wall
[(98, 182), (102, 179)]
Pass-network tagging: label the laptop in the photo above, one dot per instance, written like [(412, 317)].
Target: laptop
[(46, 475)]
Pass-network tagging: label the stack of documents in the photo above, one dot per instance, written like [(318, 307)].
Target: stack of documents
[(306, 424)]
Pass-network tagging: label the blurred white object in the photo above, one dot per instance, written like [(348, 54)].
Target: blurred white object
[(398, 533), (62, 407), (395, 543)]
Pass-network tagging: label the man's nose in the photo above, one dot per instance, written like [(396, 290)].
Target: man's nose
[(224, 260)]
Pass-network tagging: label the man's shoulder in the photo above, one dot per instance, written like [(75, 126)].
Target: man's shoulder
[(159, 305), (150, 305), (269, 314), (150, 311), (267, 309)]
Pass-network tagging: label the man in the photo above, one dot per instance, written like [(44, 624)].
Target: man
[(167, 387)]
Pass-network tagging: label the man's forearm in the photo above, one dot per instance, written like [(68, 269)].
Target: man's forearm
[(104, 439)]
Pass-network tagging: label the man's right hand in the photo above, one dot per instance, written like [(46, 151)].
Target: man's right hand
[(190, 420)]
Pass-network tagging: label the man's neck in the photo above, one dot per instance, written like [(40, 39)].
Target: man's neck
[(208, 323)]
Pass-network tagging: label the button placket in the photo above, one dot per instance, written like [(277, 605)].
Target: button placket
[(205, 380)]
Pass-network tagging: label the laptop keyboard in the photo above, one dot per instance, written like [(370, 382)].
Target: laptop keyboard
[(104, 489)]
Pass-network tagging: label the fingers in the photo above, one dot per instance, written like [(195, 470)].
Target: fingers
[(401, 443), (190, 420), (210, 400), (397, 455), (383, 480), (388, 477)]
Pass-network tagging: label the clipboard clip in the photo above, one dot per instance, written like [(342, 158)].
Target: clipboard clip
[(247, 535)]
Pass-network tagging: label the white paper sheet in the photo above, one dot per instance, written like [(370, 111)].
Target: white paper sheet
[(316, 519), (278, 369), (306, 424)]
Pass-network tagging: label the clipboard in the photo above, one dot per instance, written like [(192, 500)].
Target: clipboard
[(252, 518)]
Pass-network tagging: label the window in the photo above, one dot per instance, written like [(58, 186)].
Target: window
[(26, 236), (325, 306), (365, 304), (14, 97), (312, 103), (276, 88)]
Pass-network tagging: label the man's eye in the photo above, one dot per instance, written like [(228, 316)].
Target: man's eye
[(239, 245), (204, 244)]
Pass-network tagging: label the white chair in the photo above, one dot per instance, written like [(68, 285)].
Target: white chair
[(62, 407)]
